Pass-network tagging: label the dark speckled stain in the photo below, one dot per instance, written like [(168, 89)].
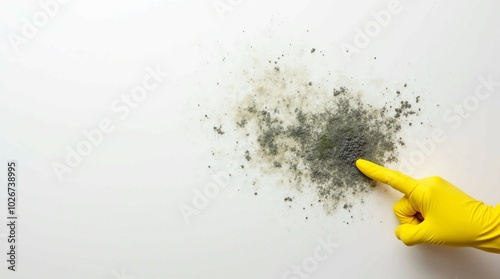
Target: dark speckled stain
[(311, 135)]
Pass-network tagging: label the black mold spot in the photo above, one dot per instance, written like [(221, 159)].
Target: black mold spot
[(218, 130), (247, 155)]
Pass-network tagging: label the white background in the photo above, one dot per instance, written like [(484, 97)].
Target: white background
[(117, 214)]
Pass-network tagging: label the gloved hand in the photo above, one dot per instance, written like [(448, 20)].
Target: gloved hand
[(433, 211)]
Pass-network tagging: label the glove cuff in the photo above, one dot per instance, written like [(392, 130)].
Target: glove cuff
[(489, 239)]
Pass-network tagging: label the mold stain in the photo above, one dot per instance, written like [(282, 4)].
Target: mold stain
[(311, 132)]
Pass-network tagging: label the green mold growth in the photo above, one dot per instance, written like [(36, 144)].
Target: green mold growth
[(317, 145), (303, 125)]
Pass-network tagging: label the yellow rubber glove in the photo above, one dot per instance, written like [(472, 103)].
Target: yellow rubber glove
[(433, 211)]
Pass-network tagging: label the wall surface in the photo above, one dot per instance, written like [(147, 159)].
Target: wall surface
[(118, 114)]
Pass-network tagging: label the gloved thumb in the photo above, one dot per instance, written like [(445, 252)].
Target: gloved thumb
[(412, 234)]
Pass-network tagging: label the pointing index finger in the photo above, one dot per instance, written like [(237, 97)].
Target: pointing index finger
[(395, 179)]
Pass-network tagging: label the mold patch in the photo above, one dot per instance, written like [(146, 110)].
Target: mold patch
[(309, 129)]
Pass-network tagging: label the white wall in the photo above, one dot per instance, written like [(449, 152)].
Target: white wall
[(116, 215)]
